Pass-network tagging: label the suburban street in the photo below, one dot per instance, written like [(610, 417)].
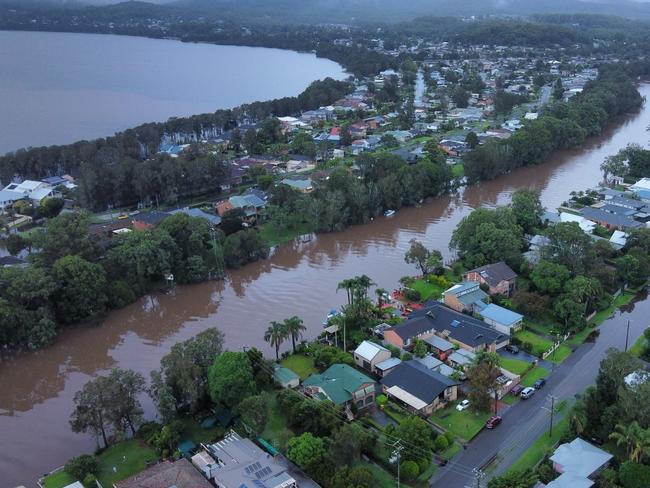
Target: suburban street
[(526, 421)]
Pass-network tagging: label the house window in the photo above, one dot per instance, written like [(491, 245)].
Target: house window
[(366, 365)]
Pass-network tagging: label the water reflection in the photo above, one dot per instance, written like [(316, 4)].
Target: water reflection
[(298, 279)]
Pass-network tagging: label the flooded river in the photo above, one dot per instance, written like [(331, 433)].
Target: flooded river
[(36, 389)]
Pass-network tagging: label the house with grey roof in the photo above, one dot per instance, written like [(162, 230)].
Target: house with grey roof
[(578, 463), (435, 319), (180, 474), (465, 297), (418, 388), (369, 354), (499, 277), (610, 220), (303, 185), (241, 464)]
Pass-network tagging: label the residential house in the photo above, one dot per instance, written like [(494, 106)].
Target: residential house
[(435, 319), (434, 364), (618, 239), (303, 185), (148, 220), (241, 464), (500, 318), (34, 191), (251, 204), (610, 221), (180, 474), (586, 225), (369, 354), (500, 278), (578, 463), (285, 377), (198, 213), (419, 389), (342, 385), (465, 297), (223, 207)]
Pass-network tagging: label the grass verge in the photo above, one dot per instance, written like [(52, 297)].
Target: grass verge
[(465, 424), (541, 447), (58, 480), (534, 374), (516, 366)]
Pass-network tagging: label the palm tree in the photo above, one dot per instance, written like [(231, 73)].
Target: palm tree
[(635, 438), (346, 285), (275, 336), (380, 292), (294, 327)]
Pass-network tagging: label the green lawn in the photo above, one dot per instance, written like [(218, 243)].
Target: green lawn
[(516, 366), (192, 430), (540, 344), (273, 236), (638, 347), (395, 412), (541, 447), (623, 299), (427, 290), (58, 480), (510, 399), (560, 354), (535, 374), (276, 431), (300, 364), (451, 451), (128, 457), (465, 424)]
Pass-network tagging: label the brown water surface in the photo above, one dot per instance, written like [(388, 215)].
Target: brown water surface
[(36, 389)]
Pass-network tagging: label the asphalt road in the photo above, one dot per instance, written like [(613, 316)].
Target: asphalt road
[(526, 421)]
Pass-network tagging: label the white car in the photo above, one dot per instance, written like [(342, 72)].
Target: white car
[(464, 405)]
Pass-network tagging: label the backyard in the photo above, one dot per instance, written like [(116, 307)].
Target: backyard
[(300, 364), (427, 290)]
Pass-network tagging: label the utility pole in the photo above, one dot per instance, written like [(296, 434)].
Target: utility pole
[(552, 412), (397, 456), (479, 476), (496, 401), (627, 334)]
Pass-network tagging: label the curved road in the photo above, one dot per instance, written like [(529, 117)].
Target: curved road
[(527, 420)]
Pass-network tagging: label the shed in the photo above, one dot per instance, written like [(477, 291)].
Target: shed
[(285, 377)]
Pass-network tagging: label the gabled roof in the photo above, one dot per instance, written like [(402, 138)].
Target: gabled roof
[(493, 274), (570, 480), (388, 364), (152, 217), (436, 317), (369, 350), (501, 315), (599, 215), (418, 381), (339, 382), (180, 474), (439, 343), (580, 458)]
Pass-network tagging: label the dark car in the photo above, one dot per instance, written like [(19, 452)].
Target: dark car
[(539, 384), (517, 390), (493, 422), (511, 348)]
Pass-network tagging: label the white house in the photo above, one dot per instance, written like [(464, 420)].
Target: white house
[(368, 355), (587, 226), (35, 191), (578, 463)]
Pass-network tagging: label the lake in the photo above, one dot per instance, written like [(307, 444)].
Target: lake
[(57, 88)]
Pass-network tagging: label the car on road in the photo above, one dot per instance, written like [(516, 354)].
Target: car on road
[(493, 422), (528, 392), (539, 384), (464, 405), (511, 348), (516, 390)]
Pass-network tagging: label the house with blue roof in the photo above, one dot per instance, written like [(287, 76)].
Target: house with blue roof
[(502, 319)]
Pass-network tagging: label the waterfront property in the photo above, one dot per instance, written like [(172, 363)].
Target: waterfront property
[(368, 355), (499, 277), (465, 297), (180, 474), (435, 319), (342, 385), (504, 320)]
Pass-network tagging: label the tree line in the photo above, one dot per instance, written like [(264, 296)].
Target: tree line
[(563, 125), (75, 276)]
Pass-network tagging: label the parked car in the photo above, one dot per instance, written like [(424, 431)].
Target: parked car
[(528, 392), (539, 384), (512, 349), (516, 390), (493, 422), (464, 405)]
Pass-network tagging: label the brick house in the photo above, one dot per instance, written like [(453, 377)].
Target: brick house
[(501, 279)]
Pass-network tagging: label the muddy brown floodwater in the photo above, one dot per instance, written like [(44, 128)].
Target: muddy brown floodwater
[(36, 389)]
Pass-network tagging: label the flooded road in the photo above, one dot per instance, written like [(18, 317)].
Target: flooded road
[(36, 389)]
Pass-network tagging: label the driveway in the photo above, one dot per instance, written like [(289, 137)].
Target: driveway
[(524, 356), (526, 421)]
